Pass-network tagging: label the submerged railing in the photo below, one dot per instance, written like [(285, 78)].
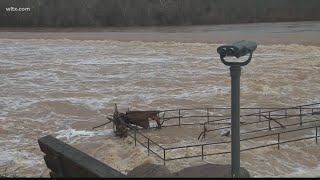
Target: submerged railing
[(262, 112), (202, 155)]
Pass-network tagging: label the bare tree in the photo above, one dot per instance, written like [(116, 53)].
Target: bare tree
[(164, 3), (124, 6)]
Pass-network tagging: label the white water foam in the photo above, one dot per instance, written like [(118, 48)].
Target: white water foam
[(305, 172), (70, 133)]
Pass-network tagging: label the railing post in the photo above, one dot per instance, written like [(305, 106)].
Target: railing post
[(202, 152), (135, 137), (316, 134), (278, 141), (269, 122), (179, 117), (285, 112), (300, 116), (259, 114), (148, 148), (208, 114), (164, 156)]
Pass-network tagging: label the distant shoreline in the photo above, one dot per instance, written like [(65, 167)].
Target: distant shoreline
[(164, 37), (303, 33)]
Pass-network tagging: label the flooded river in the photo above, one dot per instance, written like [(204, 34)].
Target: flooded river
[(64, 82)]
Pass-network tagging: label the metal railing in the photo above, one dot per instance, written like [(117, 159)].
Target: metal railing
[(202, 155), (260, 113), (134, 136), (226, 117)]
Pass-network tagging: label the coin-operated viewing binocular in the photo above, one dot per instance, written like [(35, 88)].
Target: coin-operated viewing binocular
[(237, 49)]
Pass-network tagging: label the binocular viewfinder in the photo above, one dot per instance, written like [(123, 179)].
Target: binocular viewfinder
[(237, 49)]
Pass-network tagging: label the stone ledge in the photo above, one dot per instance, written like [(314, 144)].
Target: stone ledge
[(205, 170)]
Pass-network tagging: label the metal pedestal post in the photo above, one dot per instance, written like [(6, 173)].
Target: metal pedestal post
[(237, 49), (235, 73)]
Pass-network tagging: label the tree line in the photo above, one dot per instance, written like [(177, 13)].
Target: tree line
[(101, 13)]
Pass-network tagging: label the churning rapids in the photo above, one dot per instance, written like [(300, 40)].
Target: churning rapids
[(64, 87)]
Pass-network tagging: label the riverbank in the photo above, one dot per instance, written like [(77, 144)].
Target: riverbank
[(302, 33)]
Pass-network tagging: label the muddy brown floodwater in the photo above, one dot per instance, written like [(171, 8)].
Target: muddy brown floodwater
[(63, 81)]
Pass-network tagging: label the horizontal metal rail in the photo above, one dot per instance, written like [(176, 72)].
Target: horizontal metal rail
[(257, 114), (250, 123), (225, 142), (186, 157), (196, 145), (228, 152), (277, 127), (261, 146), (252, 114), (150, 140), (220, 108), (257, 147), (137, 132), (147, 147)]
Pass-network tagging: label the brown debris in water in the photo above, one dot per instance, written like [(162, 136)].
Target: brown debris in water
[(123, 122)]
